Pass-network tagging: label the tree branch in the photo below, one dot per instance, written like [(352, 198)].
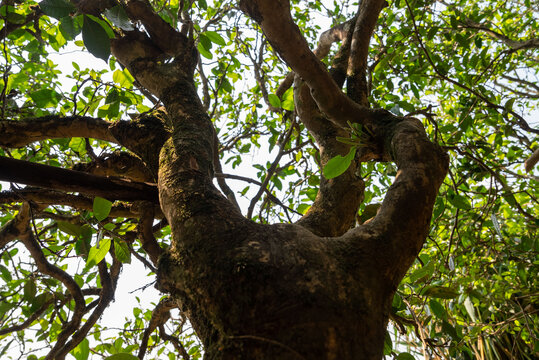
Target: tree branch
[(32, 245), (513, 44), (327, 38), (149, 244), (15, 227), (401, 225), (532, 160), (368, 13), (50, 177), (519, 119), (119, 163), (10, 27), (284, 35), (23, 132), (271, 170), (81, 202), (108, 281), (160, 315)]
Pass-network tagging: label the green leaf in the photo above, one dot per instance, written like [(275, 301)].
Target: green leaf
[(69, 27), (215, 38), (437, 309), (57, 8), (98, 253), (5, 274), (69, 228), (450, 330), (339, 164), (82, 351), (422, 272), (96, 38), (122, 251), (440, 292), (121, 356), (29, 289), (204, 52), (388, 344), (123, 78), (78, 145), (496, 225), (287, 102), (83, 243), (274, 100), (101, 208), (119, 18), (46, 98), (459, 201), (205, 42), (203, 5), (405, 356)]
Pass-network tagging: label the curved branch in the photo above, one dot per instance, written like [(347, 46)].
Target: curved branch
[(45, 267), (368, 13), (15, 227), (20, 133), (271, 170), (29, 320), (160, 315), (401, 225), (108, 281), (532, 160), (327, 38), (275, 20), (149, 243)]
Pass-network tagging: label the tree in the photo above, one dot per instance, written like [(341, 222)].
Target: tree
[(364, 189)]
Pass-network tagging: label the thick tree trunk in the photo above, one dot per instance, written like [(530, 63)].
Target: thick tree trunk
[(257, 291), (278, 292), (311, 290)]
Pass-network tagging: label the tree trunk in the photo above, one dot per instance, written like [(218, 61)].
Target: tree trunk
[(311, 290)]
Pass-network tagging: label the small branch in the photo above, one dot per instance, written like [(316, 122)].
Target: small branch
[(275, 20), (35, 315), (513, 44), (145, 230), (108, 281), (160, 315), (175, 342), (220, 180), (368, 13), (327, 38), (80, 202), (271, 170), (10, 27), (270, 196), (32, 245), (15, 227), (532, 160)]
